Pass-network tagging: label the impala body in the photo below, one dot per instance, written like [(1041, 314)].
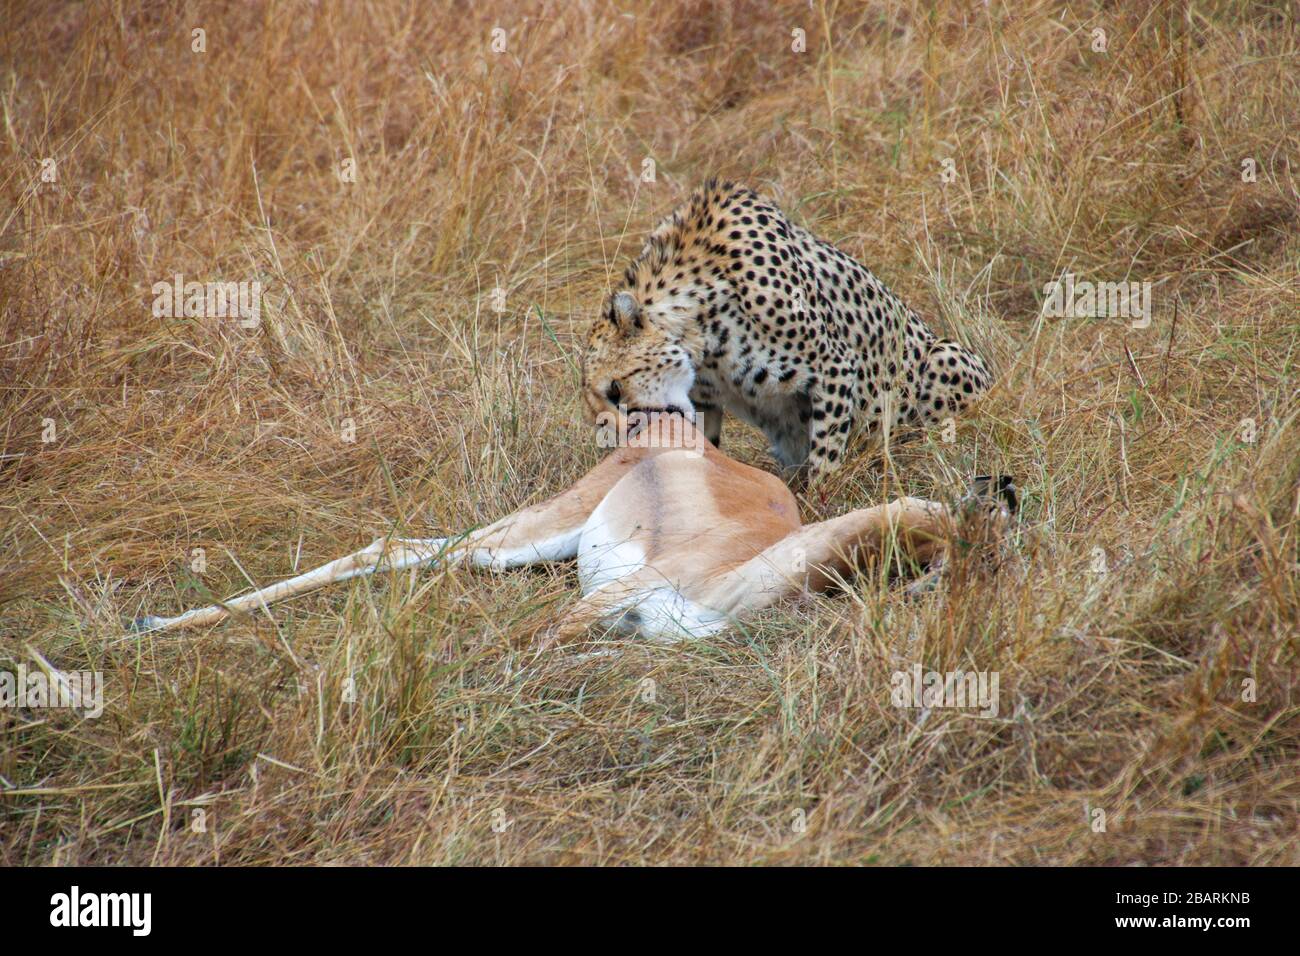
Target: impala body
[(672, 538)]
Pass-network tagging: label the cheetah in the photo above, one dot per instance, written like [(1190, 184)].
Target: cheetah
[(732, 307)]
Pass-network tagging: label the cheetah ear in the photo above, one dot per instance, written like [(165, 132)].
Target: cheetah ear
[(625, 313)]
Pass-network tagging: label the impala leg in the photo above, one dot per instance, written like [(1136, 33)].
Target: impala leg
[(544, 532), (386, 554), (599, 607), (656, 613), (548, 531), (811, 558)]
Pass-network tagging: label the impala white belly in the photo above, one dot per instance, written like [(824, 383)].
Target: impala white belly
[(606, 553), (610, 550)]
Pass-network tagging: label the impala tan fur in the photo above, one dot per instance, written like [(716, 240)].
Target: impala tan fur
[(672, 538)]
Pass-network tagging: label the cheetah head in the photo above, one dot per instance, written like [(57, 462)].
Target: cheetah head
[(633, 365)]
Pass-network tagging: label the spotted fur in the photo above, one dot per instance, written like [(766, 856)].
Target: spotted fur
[(731, 306)]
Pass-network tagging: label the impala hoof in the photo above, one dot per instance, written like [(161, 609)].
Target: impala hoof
[(1000, 488)]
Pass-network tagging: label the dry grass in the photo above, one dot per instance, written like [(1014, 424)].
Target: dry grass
[(1120, 691)]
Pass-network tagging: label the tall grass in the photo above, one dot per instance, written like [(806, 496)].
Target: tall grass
[(1145, 632)]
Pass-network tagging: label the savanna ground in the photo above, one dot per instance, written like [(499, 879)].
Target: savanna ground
[(1145, 635)]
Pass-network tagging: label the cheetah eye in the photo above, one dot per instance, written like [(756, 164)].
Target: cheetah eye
[(614, 392)]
